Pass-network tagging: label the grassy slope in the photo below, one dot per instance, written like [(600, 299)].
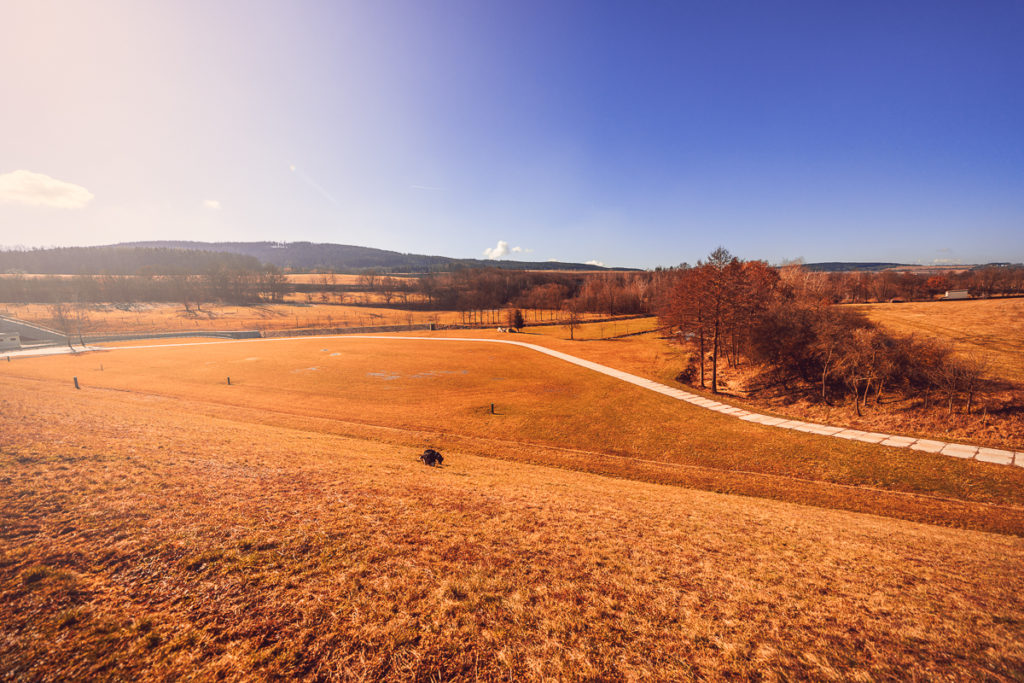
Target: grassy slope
[(550, 412), (998, 426), (143, 539)]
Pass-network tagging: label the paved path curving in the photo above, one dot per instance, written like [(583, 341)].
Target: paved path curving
[(991, 455), (53, 350)]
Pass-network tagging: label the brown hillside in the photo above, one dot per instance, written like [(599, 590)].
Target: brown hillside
[(144, 539)]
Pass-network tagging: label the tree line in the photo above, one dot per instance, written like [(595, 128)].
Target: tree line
[(889, 285), (478, 291), (223, 284)]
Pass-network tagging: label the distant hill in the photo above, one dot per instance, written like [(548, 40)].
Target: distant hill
[(306, 256), (873, 266), (845, 266), (118, 260), (165, 257)]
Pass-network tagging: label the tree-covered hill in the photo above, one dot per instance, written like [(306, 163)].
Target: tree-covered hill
[(121, 260), (307, 256)]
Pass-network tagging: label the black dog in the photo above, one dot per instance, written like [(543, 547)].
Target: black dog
[(431, 457)]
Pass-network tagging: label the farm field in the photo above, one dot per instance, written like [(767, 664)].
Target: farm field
[(159, 524), (991, 329), (598, 330), (104, 318), (323, 278), (108, 319), (547, 412)]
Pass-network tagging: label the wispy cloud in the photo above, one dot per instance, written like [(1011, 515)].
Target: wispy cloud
[(212, 204), (595, 262), (309, 181), (428, 188), (38, 189), (502, 249)]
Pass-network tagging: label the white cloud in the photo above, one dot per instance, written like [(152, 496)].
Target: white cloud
[(37, 189), (595, 262), (212, 204), (502, 249), (498, 251)]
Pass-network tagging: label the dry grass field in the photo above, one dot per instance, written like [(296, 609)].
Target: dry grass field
[(321, 278), (548, 412), (596, 331), (160, 524), (109, 319), (991, 329), (106, 319), (999, 425)]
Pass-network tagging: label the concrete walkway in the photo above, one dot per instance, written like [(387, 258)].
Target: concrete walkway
[(54, 350), (955, 450)]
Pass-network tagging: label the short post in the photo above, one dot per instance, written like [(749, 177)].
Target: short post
[(492, 409), (229, 381), (76, 384)]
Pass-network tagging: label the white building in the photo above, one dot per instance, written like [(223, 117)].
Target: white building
[(956, 294), (10, 341)]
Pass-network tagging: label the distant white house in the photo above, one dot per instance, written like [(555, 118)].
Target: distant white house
[(10, 341), (956, 294)]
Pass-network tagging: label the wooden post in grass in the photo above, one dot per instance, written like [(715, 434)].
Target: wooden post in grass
[(492, 409), (76, 384), (229, 381)]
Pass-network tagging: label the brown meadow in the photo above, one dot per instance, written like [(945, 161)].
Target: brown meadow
[(141, 318), (555, 412), (992, 329), (160, 523), (106, 319), (146, 538)]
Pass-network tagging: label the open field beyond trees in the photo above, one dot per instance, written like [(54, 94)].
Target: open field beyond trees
[(992, 329), (173, 317), (160, 523), (108, 319)]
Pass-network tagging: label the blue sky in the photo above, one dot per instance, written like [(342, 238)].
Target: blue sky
[(629, 133)]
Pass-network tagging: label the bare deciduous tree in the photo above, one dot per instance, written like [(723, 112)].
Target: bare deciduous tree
[(572, 319)]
